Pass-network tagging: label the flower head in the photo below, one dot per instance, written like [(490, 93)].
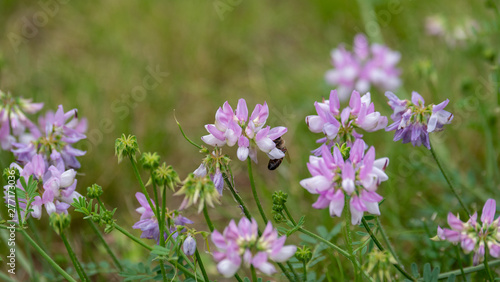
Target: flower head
[(472, 235), (340, 125), (198, 190), (241, 244), (358, 176), (148, 223), (249, 133), (366, 65), (413, 121)]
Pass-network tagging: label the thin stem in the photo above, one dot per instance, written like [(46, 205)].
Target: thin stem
[(459, 258), (185, 137), (138, 176), (200, 263), (46, 256), (386, 240), (254, 273), (304, 265), (254, 191), (237, 197), (488, 270), (74, 259), (297, 277), (347, 219), (468, 270), (106, 246), (161, 222), (381, 248), (207, 219), (155, 191), (289, 215), (18, 209), (149, 248), (448, 180)]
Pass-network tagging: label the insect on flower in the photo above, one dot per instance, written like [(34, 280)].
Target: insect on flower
[(280, 145)]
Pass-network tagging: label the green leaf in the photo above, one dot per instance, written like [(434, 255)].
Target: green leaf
[(451, 278), (427, 272), (414, 270)]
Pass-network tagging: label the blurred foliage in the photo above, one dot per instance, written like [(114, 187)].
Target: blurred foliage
[(127, 66)]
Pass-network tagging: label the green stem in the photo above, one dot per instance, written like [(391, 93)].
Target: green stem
[(138, 176), (46, 256), (448, 180), (74, 259), (185, 137), (106, 246), (486, 266), (254, 273), (155, 191), (161, 222), (237, 197), (304, 265), (347, 219), (459, 258), (289, 215), (254, 191), (149, 248), (381, 248), (18, 209), (207, 219), (468, 270), (387, 241), (200, 262)]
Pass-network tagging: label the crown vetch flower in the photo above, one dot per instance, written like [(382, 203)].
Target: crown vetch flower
[(413, 121), (241, 244), (366, 65), (13, 121), (358, 176), (340, 125), (59, 131), (148, 223), (472, 235), (235, 127)]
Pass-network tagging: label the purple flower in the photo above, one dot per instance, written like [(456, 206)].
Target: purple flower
[(472, 235), (59, 131), (413, 121), (13, 121), (366, 65), (235, 127), (148, 223), (358, 176), (340, 125), (241, 244), (189, 246)]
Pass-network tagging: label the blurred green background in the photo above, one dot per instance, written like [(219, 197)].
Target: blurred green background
[(94, 55)]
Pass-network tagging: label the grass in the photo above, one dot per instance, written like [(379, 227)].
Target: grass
[(92, 56)]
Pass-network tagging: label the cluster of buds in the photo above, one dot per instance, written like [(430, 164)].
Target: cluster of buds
[(279, 201), (340, 126), (213, 165), (334, 177), (366, 65), (198, 190), (126, 146), (472, 235), (413, 121), (235, 127), (380, 264)]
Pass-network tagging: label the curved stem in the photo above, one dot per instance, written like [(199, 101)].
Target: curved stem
[(74, 259), (106, 246), (185, 137), (289, 215), (468, 270), (254, 191), (448, 180), (381, 248), (46, 256), (200, 262), (138, 176), (237, 197), (207, 219), (387, 241)]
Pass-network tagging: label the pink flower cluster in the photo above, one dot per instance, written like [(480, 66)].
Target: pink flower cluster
[(340, 126), (234, 127), (357, 176), (472, 235), (241, 244), (366, 65)]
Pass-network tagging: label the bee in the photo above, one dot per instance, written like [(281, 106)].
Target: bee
[(280, 144)]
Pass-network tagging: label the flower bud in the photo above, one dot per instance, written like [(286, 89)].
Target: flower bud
[(10, 172), (94, 191), (303, 254), (189, 246), (59, 221), (150, 160), (126, 146), (166, 175)]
